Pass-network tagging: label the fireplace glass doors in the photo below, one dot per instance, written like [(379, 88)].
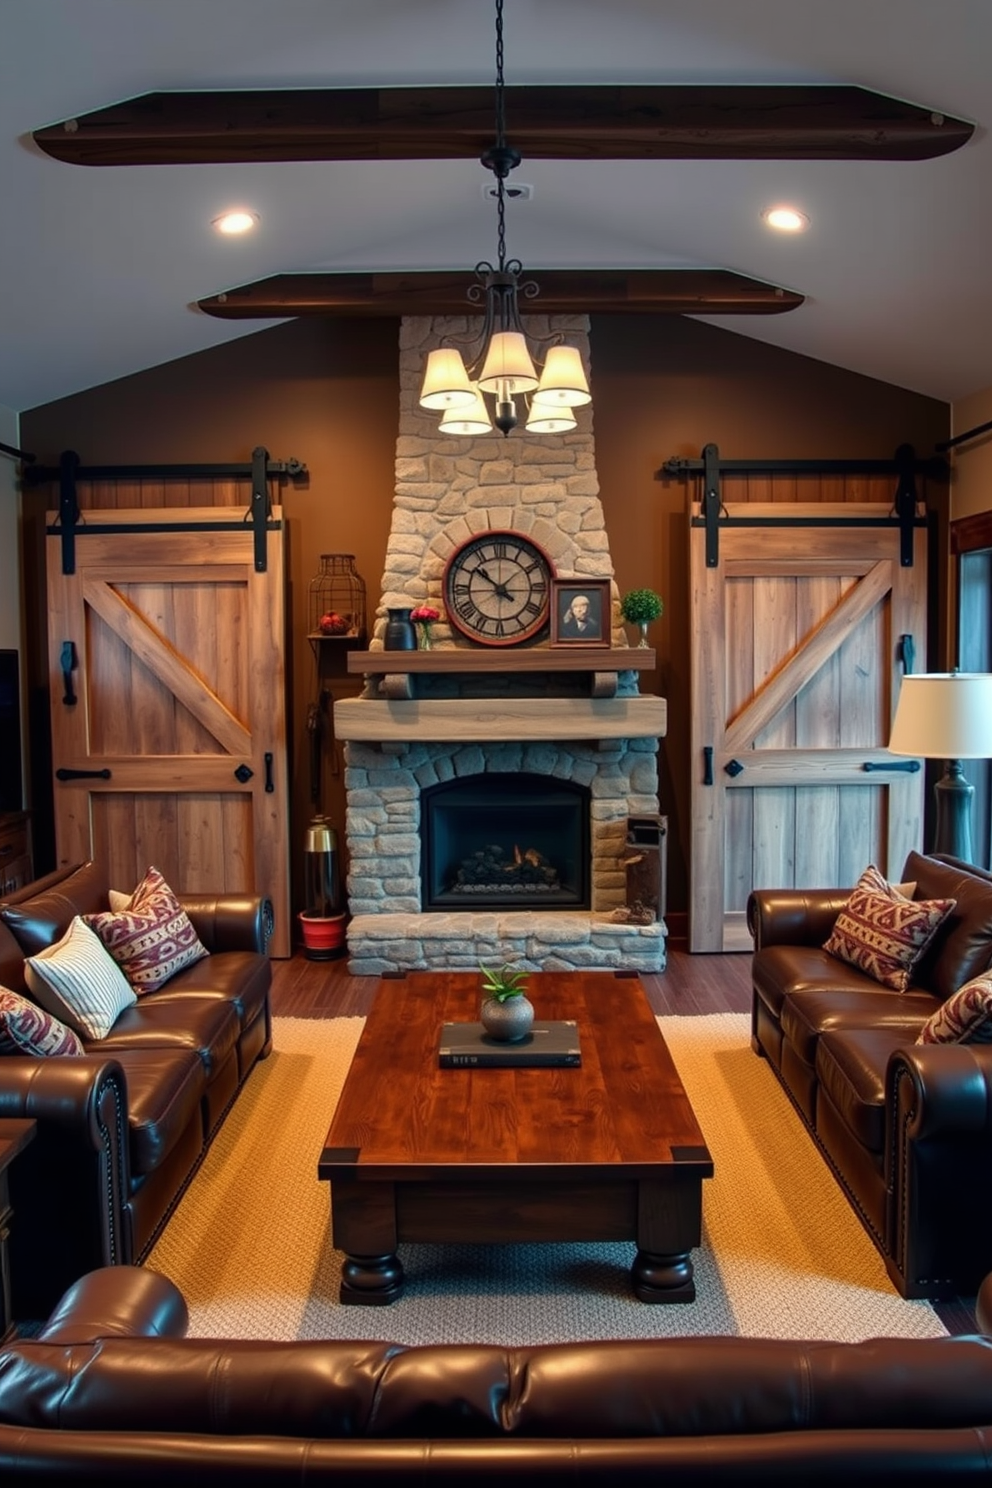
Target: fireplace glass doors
[(505, 841)]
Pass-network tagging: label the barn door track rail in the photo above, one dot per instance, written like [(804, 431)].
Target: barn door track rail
[(904, 467), (69, 472)]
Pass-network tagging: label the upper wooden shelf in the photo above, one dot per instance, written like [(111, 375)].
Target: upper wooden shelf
[(506, 659)]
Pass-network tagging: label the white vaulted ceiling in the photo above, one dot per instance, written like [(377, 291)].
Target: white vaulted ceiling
[(100, 269)]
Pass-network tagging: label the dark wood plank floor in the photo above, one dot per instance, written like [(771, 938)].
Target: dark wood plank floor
[(689, 984)]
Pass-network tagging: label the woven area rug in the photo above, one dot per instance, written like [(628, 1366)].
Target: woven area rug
[(782, 1256)]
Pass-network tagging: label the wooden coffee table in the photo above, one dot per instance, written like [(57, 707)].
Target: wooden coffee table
[(608, 1151)]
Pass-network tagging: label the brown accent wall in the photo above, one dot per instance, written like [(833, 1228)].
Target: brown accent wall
[(327, 393)]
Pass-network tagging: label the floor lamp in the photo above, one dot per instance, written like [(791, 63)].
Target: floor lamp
[(948, 716)]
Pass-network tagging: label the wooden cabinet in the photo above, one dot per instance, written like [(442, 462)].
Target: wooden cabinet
[(16, 868)]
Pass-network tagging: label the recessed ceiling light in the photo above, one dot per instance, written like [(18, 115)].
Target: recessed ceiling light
[(232, 223), (786, 219)]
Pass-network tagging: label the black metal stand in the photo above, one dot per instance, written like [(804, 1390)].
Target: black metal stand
[(953, 796)]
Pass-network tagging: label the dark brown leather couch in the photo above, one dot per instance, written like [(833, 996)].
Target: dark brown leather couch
[(112, 1392), (122, 1129), (906, 1128)]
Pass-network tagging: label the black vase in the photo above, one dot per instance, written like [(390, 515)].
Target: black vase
[(400, 633)]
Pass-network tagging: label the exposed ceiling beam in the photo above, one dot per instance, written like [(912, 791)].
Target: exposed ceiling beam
[(552, 123), (562, 292)]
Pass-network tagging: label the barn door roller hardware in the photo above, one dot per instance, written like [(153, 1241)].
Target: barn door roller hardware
[(713, 514), (69, 472)]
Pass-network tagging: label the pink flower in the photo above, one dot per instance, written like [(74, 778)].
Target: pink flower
[(425, 614)]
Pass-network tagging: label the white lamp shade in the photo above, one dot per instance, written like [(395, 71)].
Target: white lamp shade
[(944, 715), (549, 418), (508, 367), (446, 383), (472, 420), (563, 380)]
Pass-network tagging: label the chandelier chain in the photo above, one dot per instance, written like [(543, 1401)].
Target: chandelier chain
[(500, 142)]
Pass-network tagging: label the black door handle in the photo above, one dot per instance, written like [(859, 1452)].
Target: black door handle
[(269, 783), (82, 774), (68, 663), (908, 767), (707, 764)]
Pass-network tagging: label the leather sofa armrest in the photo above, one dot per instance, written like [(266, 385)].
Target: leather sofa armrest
[(983, 1306), (70, 1188), (230, 922), (793, 916), (74, 1093), (120, 1302), (941, 1089)]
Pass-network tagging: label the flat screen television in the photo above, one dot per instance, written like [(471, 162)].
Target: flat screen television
[(11, 779)]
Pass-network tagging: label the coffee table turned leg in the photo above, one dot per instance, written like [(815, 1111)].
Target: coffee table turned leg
[(663, 1278), (371, 1281)]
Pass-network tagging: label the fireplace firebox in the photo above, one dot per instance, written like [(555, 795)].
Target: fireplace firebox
[(500, 841)]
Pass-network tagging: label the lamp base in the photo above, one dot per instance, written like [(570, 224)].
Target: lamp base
[(953, 796)]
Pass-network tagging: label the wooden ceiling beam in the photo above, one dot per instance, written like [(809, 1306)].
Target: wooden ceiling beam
[(592, 122), (562, 292)]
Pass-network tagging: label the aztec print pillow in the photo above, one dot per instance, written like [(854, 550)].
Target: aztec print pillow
[(965, 1018), (882, 933), (26, 1028), (150, 936), (77, 982)]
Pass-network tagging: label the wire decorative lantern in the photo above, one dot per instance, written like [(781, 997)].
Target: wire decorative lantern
[(337, 599)]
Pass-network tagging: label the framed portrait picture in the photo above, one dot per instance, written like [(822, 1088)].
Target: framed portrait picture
[(580, 612)]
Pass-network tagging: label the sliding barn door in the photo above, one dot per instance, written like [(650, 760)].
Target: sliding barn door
[(168, 705), (796, 660)]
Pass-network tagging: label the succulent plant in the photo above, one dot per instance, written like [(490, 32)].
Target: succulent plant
[(504, 983)]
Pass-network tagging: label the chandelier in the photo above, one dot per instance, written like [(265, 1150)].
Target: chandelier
[(500, 363)]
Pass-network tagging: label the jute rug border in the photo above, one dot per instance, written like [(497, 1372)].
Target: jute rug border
[(783, 1255)]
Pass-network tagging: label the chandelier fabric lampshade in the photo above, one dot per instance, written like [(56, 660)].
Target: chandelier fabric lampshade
[(473, 419), (948, 716), (508, 366), (563, 379), (446, 383), (549, 418)]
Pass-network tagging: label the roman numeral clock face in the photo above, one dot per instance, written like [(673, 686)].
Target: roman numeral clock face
[(497, 589)]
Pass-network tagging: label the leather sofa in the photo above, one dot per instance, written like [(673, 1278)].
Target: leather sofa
[(122, 1129), (905, 1127), (111, 1391)]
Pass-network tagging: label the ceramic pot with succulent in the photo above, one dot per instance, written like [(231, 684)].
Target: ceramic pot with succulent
[(507, 1013)]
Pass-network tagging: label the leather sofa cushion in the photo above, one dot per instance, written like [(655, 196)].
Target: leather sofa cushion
[(42, 917), (164, 1089), (205, 1025), (241, 978), (962, 947), (780, 970), (850, 1067), (807, 1015)]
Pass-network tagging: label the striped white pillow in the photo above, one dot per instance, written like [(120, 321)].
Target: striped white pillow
[(79, 982)]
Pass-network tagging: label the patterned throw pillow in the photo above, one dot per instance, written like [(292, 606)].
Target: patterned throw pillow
[(26, 1029), (76, 981), (151, 937), (883, 934), (965, 1018)]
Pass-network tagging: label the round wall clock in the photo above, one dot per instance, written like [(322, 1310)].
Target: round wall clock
[(497, 588)]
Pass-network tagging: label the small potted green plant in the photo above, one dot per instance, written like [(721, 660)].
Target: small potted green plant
[(507, 1013), (640, 607)]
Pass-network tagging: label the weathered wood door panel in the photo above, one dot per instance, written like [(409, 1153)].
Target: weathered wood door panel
[(179, 719), (795, 672)]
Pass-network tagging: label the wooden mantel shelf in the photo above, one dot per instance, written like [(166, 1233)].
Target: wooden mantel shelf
[(603, 664), (479, 720), (506, 659)]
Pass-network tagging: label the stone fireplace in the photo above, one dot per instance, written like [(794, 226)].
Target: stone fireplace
[(488, 792)]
